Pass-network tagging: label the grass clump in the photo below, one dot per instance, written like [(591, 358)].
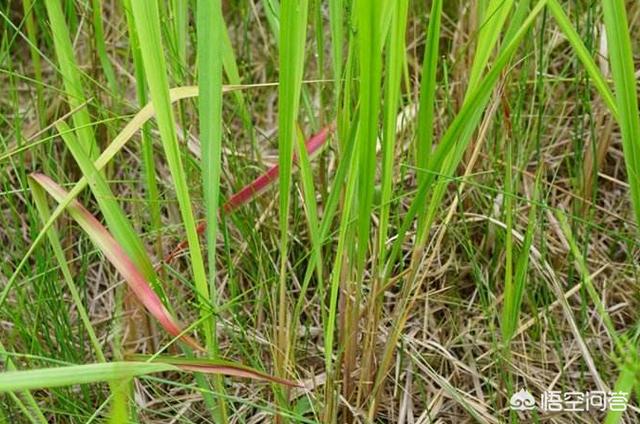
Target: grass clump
[(366, 211)]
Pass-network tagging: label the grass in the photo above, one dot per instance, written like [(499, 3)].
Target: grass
[(291, 45), (210, 116), (317, 211), (623, 70), (71, 76)]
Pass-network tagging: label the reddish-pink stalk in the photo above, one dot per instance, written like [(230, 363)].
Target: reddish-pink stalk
[(257, 186), (120, 260)]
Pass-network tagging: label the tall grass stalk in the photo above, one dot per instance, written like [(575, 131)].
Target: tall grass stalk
[(101, 48), (147, 23), (71, 76), (292, 42), (457, 136), (32, 34), (148, 158), (209, 21), (626, 86), (370, 35), (395, 61)]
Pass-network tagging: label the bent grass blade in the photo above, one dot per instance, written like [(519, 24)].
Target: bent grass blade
[(216, 366), (115, 217), (15, 381), (258, 186), (146, 113), (117, 256)]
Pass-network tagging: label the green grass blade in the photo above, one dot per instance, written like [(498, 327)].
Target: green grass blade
[(148, 162), (31, 409), (119, 412), (583, 54), (32, 34), (369, 16), (209, 30), (424, 137), (44, 211), (315, 230), (101, 48), (329, 211), (147, 22), (394, 64), (491, 26), (117, 222), (114, 252), (625, 383), (34, 419), (345, 223), (336, 24), (624, 80), (292, 42), (514, 290), (272, 13), (71, 76), (210, 116), (180, 20), (13, 381)]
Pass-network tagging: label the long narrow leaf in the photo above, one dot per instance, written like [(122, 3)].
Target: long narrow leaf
[(291, 43), (147, 20), (116, 145), (257, 186), (627, 380), (583, 54), (13, 381), (209, 30), (624, 79), (426, 118), (42, 205), (118, 257), (117, 222), (71, 76), (217, 366), (513, 292), (491, 26)]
